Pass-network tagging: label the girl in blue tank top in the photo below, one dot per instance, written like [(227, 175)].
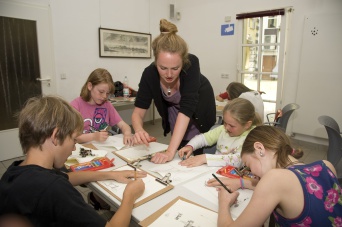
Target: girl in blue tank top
[(297, 194)]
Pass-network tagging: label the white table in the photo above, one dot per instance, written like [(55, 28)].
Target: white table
[(143, 211)]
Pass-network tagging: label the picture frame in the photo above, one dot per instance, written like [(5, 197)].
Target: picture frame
[(124, 44)]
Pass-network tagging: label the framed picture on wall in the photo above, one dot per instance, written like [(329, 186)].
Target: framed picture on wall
[(124, 44)]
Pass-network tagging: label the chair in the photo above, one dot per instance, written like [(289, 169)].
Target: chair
[(286, 113), (334, 154)]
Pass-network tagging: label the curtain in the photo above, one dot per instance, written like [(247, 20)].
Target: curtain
[(267, 13)]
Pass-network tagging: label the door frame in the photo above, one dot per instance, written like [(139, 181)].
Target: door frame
[(42, 15)]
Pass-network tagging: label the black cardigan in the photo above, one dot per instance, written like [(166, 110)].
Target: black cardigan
[(197, 95)]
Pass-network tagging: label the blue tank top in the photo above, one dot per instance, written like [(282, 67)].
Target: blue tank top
[(322, 197)]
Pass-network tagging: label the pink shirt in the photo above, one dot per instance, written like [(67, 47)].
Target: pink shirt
[(96, 115)]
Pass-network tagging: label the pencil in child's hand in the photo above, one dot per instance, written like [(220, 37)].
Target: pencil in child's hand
[(225, 187)]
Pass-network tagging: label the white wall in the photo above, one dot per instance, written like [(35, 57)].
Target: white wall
[(200, 26), (75, 30), (76, 43), (75, 26)]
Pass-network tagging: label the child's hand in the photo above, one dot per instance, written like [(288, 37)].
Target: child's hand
[(134, 189), (194, 161), (225, 198), (101, 136), (185, 151), (128, 139), (127, 176), (233, 184)]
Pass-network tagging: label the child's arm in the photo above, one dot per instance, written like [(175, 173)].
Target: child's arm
[(234, 183), (82, 177), (126, 131), (122, 216), (233, 159), (100, 136)]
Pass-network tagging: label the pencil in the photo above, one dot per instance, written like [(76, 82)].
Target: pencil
[(135, 173), (225, 187), (135, 170)]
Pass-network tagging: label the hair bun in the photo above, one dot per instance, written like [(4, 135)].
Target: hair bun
[(167, 27)]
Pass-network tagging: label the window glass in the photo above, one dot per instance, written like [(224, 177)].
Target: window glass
[(260, 57)]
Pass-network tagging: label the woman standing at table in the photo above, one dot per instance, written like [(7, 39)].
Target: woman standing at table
[(183, 97)]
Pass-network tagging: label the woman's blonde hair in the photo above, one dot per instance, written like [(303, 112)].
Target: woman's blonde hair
[(242, 110), (169, 41), (273, 139), (96, 77)]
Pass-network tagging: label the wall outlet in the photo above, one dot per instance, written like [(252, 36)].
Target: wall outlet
[(63, 76), (224, 75)]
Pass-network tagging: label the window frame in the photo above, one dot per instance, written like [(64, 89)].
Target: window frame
[(282, 44)]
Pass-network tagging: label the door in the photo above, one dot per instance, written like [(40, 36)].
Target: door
[(40, 15), (262, 53)]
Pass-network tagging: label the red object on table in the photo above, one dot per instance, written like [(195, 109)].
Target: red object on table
[(232, 172), (93, 165)]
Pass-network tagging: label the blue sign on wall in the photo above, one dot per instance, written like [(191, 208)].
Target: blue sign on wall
[(227, 29)]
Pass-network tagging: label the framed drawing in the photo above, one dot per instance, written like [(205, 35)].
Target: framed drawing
[(124, 44)]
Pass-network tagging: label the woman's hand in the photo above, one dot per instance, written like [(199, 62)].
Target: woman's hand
[(126, 176), (162, 157), (231, 183), (187, 151), (101, 136), (194, 161), (141, 137)]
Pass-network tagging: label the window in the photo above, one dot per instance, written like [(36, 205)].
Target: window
[(261, 58)]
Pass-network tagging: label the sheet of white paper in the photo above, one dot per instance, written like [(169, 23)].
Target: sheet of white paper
[(183, 214), (75, 156), (113, 143), (151, 185), (199, 187), (180, 173), (133, 153)]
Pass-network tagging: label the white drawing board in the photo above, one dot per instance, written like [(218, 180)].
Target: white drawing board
[(153, 188), (136, 152), (180, 174), (181, 212), (198, 186)]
